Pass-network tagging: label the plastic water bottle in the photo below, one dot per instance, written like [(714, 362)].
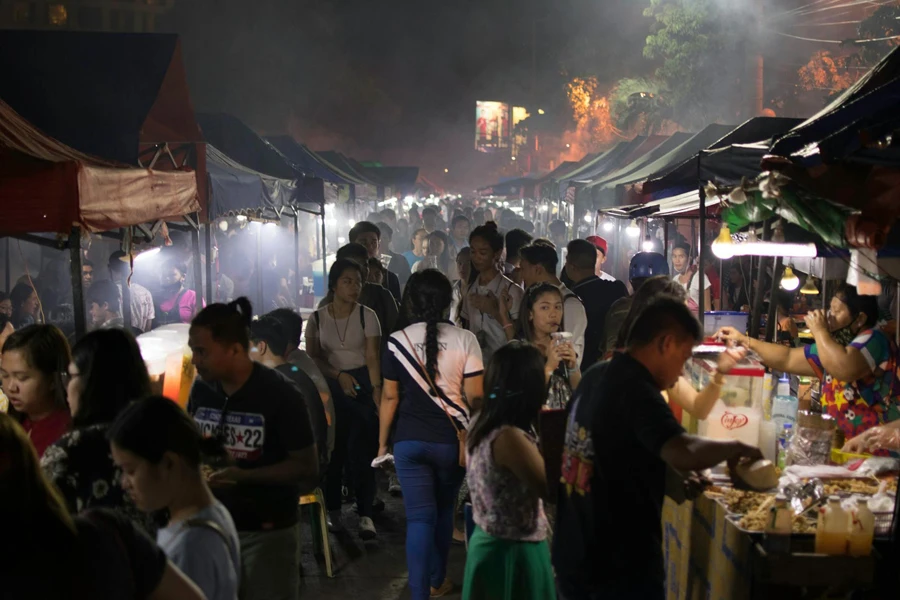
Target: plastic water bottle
[(784, 442), (784, 410)]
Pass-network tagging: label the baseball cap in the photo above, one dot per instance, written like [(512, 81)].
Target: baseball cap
[(599, 242)]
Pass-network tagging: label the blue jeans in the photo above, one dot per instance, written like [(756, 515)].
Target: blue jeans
[(430, 476)]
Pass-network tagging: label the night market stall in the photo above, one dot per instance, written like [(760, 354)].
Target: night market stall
[(119, 98)]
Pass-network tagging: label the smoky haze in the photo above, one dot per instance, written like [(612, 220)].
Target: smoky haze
[(397, 80)]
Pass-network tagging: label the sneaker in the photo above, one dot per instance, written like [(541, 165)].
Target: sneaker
[(445, 589), (335, 524), (394, 486), (367, 529)]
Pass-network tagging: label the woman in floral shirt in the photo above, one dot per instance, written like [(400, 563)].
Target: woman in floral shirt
[(856, 364), (105, 375)]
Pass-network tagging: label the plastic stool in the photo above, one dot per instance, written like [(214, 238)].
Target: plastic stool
[(316, 504)]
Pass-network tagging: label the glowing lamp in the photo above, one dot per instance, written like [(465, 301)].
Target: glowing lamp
[(723, 247), (789, 281)]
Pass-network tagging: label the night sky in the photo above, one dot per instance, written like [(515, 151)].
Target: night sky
[(395, 80)]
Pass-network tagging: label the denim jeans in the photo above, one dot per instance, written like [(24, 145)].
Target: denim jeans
[(430, 476)]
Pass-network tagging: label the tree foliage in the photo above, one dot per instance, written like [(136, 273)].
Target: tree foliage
[(640, 106), (699, 48)]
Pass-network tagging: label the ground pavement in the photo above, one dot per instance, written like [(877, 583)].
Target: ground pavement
[(367, 570)]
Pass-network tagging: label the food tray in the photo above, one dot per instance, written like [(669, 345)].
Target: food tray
[(736, 521)]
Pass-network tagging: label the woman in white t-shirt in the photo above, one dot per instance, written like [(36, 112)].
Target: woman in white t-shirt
[(481, 310), (344, 339), (432, 374), (690, 279)]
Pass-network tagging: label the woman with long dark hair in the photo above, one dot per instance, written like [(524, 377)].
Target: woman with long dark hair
[(106, 374), (344, 339), (96, 556), (177, 303), (542, 317), (32, 370), (432, 374), (25, 305), (481, 310), (158, 447), (508, 554)]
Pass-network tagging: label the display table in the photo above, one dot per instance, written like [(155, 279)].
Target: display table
[(707, 556)]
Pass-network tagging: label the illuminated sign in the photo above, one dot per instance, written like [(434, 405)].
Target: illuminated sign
[(492, 126)]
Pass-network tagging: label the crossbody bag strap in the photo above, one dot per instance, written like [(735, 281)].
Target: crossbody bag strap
[(434, 388), (213, 526)]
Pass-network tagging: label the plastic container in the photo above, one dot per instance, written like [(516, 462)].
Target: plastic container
[(832, 529), (779, 527), (768, 438), (738, 413), (784, 410), (715, 320), (862, 529)]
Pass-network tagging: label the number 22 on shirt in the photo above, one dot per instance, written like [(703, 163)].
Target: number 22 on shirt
[(244, 434)]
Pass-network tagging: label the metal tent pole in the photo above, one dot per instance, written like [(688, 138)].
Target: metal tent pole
[(756, 310), (210, 298), (324, 261), (296, 290), (702, 259), (771, 316), (77, 282), (198, 268)]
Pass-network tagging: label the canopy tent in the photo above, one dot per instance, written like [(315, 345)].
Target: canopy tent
[(306, 160), (623, 174), (237, 190), (510, 188), (541, 184), (865, 112), (236, 140), (725, 165), (46, 186), (362, 187), (550, 189), (606, 161), (628, 192), (115, 96)]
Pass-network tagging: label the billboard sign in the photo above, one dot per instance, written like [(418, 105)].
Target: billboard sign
[(492, 126)]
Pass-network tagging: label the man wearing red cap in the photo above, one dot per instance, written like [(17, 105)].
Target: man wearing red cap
[(602, 247)]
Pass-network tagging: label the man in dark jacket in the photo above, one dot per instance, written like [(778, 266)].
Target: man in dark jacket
[(596, 294)]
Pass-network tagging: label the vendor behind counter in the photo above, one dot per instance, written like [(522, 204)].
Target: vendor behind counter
[(856, 363)]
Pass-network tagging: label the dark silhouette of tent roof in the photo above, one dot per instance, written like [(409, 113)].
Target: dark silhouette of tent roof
[(104, 94), (305, 159), (685, 175)]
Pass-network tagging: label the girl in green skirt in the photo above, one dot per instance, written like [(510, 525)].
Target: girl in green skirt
[(508, 557)]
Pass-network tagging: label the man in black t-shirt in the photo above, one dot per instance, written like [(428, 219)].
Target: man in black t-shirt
[(264, 425), (596, 294), (619, 438)]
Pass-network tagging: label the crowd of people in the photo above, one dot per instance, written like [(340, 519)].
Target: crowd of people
[(437, 347)]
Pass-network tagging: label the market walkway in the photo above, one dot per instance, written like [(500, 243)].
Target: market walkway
[(373, 571)]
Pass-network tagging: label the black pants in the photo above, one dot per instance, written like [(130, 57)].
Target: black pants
[(355, 444)]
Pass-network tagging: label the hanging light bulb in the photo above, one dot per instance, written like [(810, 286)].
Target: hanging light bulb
[(723, 247), (588, 218), (789, 281), (633, 229), (647, 246), (608, 226), (809, 288)]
